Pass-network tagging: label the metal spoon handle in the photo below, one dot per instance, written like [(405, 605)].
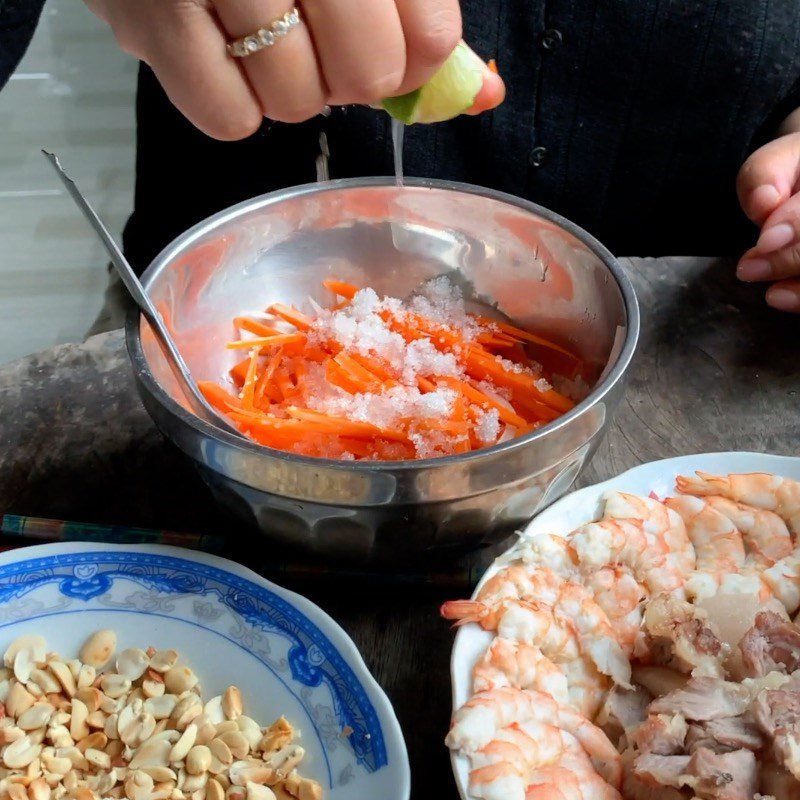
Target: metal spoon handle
[(199, 404)]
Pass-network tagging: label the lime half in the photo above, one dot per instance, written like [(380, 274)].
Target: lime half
[(450, 92)]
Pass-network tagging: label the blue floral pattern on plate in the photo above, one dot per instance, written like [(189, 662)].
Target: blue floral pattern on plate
[(199, 590)]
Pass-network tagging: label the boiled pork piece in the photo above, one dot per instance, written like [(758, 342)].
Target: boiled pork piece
[(662, 770), (658, 680), (771, 645), (722, 776), (724, 735), (703, 699), (777, 714), (661, 735), (681, 638), (622, 712)]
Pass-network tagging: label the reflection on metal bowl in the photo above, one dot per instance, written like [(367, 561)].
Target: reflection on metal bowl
[(536, 269)]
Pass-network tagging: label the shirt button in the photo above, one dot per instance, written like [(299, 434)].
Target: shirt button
[(551, 38), (538, 156)]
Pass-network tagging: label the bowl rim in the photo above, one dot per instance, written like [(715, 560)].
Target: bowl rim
[(611, 378)]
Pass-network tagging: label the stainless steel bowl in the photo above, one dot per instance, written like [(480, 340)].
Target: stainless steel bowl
[(538, 269)]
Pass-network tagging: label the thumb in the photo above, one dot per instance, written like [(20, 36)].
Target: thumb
[(785, 296), (769, 176)]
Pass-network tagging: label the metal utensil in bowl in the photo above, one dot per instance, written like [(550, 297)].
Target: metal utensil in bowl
[(531, 265), (131, 282)]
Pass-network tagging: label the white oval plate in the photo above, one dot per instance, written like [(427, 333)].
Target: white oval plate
[(584, 506), (232, 626)]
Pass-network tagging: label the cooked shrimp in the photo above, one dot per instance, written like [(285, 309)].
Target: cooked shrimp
[(783, 579), (587, 686), (598, 638), (765, 534), (573, 627), (573, 778), (480, 719), (717, 541), (624, 542), (547, 550), (660, 522), (525, 758), (700, 585), (620, 595), (522, 582), (617, 593), (758, 489), (521, 666), (503, 768)]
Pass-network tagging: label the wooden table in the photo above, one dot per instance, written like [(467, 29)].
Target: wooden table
[(717, 370)]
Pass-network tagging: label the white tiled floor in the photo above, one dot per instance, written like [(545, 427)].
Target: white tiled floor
[(73, 93)]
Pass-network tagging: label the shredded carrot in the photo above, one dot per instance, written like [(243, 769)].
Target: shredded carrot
[(495, 381), (292, 315), (239, 372), (268, 341), (492, 64), (249, 386), (519, 333), (346, 290), (484, 401), (266, 377), (254, 326), (218, 397)]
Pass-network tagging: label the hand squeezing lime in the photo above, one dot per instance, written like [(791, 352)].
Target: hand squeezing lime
[(463, 85)]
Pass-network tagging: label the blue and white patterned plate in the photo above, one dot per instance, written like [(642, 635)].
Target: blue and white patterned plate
[(232, 626)]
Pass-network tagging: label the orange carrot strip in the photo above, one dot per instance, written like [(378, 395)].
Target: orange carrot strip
[(284, 383), (482, 367), (477, 396), (339, 377), (519, 333), (268, 341), (249, 386), (218, 397), (358, 447), (239, 372), (496, 340), (254, 326), (346, 427), (291, 314), (358, 372), (266, 376), (345, 379), (347, 290), (462, 446), (426, 385), (492, 64), (374, 366), (530, 407), (458, 427)]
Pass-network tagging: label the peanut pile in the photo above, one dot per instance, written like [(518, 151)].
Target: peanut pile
[(82, 730)]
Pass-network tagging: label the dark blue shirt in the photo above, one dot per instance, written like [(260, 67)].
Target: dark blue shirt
[(18, 19), (631, 117)]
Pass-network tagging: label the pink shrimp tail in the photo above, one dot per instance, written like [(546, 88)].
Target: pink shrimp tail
[(462, 611), (543, 791), (702, 485)]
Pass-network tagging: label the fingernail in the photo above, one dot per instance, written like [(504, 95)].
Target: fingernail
[(776, 237), (783, 299), (764, 198), (755, 269)]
